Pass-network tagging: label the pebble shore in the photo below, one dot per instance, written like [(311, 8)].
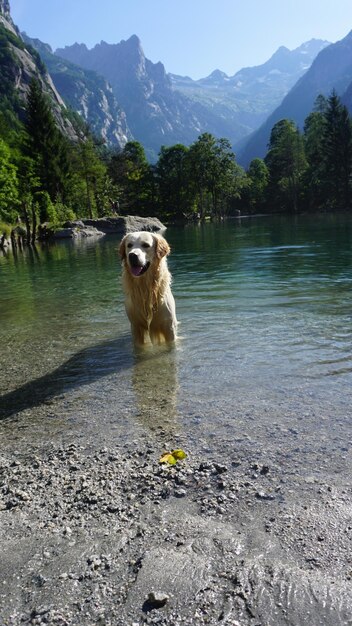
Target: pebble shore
[(112, 537)]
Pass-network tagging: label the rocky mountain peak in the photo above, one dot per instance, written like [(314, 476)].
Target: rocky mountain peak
[(280, 58), (126, 58), (79, 51), (5, 9), (217, 77), (5, 17), (281, 51), (312, 47), (133, 42)]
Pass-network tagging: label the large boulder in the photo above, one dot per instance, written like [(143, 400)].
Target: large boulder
[(74, 230), (151, 224), (122, 225)]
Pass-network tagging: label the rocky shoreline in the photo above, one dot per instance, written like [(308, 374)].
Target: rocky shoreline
[(108, 226), (82, 229), (110, 536)]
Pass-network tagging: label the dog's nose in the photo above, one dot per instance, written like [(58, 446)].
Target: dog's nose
[(133, 259)]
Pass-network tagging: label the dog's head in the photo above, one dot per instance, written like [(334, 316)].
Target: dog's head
[(141, 250)]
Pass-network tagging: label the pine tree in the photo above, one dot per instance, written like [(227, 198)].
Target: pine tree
[(337, 157), (45, 144), (9, 202), (314, 129)]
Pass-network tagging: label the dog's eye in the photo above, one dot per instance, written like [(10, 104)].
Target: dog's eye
[(145, 245), (129, 245)]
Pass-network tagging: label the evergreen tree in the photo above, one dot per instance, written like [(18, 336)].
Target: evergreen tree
[(337, 157), (9, 200), (314, 129), (46, 145), (286, 163), (201, 155)]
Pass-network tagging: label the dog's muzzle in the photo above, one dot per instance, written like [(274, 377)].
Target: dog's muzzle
[(137, 269)]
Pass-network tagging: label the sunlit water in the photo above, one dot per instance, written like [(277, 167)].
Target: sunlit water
[(264, 358)]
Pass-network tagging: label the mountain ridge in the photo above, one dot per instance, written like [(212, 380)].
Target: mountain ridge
[(159, 111), (332, 69), (123, 95)]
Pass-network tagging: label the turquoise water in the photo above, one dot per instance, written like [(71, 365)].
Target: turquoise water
[(264, 357)]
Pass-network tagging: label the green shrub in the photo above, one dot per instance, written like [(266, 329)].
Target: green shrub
[(5, 229), (63, 212), (45, 208)]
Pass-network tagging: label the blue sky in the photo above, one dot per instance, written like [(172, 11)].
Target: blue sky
[(190, 37)]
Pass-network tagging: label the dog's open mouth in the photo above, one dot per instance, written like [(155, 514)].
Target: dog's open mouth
[(138, 270)]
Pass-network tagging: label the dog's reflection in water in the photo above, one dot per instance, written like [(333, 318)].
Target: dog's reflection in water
[(154, 380)]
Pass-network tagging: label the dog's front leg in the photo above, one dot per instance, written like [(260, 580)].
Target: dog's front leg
[(139, 334)]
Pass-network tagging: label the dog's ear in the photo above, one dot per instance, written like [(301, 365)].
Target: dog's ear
[(162, 248), (122, 248)]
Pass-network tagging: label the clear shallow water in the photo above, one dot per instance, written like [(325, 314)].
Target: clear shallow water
[(264, 358)]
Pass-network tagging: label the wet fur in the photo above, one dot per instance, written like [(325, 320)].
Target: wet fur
[(149, 302)]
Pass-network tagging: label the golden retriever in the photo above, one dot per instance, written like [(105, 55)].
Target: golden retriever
[(149, 303)]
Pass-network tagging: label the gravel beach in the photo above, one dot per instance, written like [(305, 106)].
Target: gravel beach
[(110, 536)]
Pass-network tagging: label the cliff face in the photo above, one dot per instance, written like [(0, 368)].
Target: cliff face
[(5, 9), (5, 17), (87, 93), (156, 114), (20, 63)]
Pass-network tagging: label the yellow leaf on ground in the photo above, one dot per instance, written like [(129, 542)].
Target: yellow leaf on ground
[(179, 454), (168, 458)]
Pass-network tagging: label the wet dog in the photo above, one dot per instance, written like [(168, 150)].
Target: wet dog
[(149, 303)]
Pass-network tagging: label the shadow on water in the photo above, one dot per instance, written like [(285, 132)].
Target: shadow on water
[(153, 380), (82, 368)]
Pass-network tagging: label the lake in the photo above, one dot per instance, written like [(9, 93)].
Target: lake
[(263, 362)]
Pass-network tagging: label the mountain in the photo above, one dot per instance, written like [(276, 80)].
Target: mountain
[(87, 93), (123, 95), (332, 69), (164, 109), (253, 93), (279, 73), (20, 63), (156, 115), (5, 13)]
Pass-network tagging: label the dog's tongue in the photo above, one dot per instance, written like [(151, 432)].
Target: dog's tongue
[(136, 271)]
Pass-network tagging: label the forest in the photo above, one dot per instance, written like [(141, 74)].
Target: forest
[(47, 179)]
